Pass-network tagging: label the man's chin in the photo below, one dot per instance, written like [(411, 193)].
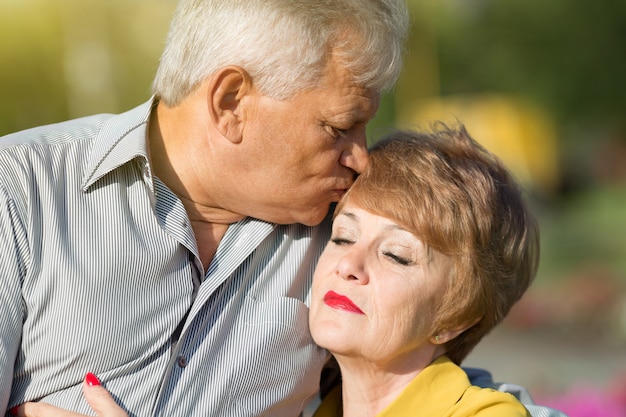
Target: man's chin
[(312, 217), (317, 217)]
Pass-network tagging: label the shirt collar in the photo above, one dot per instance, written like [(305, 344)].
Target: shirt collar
[(121, 139)]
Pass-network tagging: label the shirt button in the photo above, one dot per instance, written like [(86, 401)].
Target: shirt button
[(182, 361)]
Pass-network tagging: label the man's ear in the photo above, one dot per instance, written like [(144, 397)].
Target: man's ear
[(224, 95)]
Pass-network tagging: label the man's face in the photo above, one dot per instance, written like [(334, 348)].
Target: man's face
[(304, 152)]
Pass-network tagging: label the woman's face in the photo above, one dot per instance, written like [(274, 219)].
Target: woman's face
[(375, 292)]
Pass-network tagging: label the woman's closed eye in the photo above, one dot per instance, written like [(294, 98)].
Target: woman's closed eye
[(340, 241), (400, 260)]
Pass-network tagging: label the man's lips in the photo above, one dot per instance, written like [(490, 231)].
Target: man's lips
[(340, 302)]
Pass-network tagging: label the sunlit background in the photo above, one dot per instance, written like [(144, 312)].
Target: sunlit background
[(542, 83)]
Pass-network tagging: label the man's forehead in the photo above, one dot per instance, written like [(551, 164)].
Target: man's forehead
[(357, 107)]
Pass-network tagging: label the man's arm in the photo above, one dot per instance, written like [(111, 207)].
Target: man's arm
[(12, 269), (483, 378)]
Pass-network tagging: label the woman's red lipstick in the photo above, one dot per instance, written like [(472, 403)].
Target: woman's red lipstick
[(340, 302)]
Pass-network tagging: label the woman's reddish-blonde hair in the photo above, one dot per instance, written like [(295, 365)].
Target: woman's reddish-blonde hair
[(461, 201)]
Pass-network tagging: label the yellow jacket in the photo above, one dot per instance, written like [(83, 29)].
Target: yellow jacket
[(441, 390)]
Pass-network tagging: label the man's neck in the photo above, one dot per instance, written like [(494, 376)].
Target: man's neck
[(171, 135), (174, 133)]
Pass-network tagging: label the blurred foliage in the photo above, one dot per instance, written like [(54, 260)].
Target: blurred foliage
[(62, 59), (585, 233), (567, 54)]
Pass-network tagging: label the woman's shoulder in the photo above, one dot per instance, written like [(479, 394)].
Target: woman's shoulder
[(486, 402)]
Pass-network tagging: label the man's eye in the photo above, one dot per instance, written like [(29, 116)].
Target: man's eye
[(398, 259), (336, 132), (340, 133)]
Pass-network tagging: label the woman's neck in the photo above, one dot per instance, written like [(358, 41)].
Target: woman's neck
[(367, 392), (368, 388)]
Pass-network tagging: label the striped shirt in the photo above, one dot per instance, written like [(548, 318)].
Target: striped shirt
[(100, 273)]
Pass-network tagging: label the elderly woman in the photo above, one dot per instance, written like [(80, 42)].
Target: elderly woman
[(430, 249)]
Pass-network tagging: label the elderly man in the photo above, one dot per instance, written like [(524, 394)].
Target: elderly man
[(170, 249)]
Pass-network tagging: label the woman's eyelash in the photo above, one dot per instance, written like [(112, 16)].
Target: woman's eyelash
[(398, 259), (340, 241)]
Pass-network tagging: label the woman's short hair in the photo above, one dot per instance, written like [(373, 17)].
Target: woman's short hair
[(283, 44), (462, 202)]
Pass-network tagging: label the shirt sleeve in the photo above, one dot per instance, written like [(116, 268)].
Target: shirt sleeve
[(482, 378), (13, 244), (490, 403)]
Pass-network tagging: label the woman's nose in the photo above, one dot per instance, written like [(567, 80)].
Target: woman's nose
[(352, 266)]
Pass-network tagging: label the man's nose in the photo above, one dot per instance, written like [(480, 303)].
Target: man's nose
[(355, 155)]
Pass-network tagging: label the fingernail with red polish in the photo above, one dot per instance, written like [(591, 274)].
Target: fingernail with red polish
[(92, 380), (14, 410)]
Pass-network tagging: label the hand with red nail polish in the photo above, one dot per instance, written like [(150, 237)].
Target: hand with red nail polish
[(92, 380), (100, 399), (96, 395), (32, 409)]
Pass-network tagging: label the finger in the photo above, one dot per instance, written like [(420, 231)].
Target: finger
[(100, 399), (42, 410)]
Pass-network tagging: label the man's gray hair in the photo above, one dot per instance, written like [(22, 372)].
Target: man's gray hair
[(283, 44)]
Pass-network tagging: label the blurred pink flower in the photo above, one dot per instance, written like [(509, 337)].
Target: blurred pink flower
[(587, 402)]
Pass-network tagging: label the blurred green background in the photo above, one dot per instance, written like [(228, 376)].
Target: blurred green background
[(540, 83)]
